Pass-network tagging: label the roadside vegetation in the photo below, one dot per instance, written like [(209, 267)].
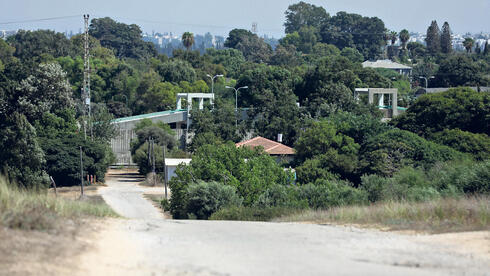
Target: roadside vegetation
[(441, 215), (30, 210)]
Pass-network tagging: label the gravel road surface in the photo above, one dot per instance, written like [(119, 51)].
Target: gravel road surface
[(147, 244)]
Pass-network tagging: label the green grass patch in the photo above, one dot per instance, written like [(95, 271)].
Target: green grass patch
[(435, 216), (32, 210)]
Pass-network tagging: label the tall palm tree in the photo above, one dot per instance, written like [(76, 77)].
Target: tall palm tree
[(404, 37), (188, 40), (468, 44), (393, 37)]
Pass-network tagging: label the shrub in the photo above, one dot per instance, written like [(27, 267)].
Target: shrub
[(460, 108), (324, 194), (374, 186), (476, 144), (63, 158), (466, 177), (280, 196), (205, 198), (387, 153)]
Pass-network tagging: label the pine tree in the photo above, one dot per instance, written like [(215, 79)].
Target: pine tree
[(486, 51), (477, 49), (446, 39), (433, 38)]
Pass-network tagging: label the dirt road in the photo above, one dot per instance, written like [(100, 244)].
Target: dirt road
[(147, 244)]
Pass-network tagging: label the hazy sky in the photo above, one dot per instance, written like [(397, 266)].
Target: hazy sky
[(220, 16)]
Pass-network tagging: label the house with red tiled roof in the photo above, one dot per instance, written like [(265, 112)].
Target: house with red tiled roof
[(281, 152)]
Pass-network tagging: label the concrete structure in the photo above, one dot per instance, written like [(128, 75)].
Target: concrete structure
[(177, 119), (388, 64), (391, 109)]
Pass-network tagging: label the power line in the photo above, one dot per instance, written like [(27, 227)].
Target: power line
[(40, 19)]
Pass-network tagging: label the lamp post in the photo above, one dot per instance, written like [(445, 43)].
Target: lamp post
[(236, 100), (426, 82), (212, 81)]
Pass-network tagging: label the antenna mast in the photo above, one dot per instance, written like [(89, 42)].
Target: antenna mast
[(86, 77)]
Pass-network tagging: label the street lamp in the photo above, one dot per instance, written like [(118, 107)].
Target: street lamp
[(236, 100), (212, 81), (426, 82)]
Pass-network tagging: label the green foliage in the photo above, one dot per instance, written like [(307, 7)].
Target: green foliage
[(366, 34), (324, 194), (63, 158), (387, 153), (188, 40), (326, 153), (462, 177), (124, 39), (303, 14), (272, 103), (460, 70), (176, 71), (21, 157), (433, 38), (460, 108), (476, 144), (254, 49), (205, 198), (163, 137), (250, 172), (446, 40)]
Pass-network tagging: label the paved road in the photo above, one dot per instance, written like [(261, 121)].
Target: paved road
[(148, 244)]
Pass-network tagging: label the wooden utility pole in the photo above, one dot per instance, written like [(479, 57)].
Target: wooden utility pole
[(81, 172)]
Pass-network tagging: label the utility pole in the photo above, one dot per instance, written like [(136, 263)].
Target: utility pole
[(165, 170), (153, 162), (86, 75), (81, 172)]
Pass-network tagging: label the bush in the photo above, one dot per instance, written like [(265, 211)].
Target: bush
[(325, 194), (374, 186), (476, 144), (460, 108), (280, 196), (387, 153), (205, 198), (466, 177), (63, 158)]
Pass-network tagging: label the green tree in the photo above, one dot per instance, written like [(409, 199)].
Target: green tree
[(271, 100), (459, 70), (366, 34), (460, 108), (433, 38), (188, 40), (254, 49), (486, 49), (388, 152), (303, 14), (404, 37), (325, 152), (393, 37), (476, 144), (446, 39), (125, 40), (468, 44), (176, 71)]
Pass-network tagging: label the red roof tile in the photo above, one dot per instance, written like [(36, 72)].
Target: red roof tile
[(271, 147)]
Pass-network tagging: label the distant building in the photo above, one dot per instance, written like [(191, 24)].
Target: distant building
[(421, 91), (388, 64), (281, 152)]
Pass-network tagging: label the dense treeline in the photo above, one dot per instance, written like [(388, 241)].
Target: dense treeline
[(302, 89)]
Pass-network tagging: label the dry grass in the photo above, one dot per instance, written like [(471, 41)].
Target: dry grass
[(40, 211), (436, 216)]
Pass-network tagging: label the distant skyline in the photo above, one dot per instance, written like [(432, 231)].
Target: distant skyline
[(220, 16)]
